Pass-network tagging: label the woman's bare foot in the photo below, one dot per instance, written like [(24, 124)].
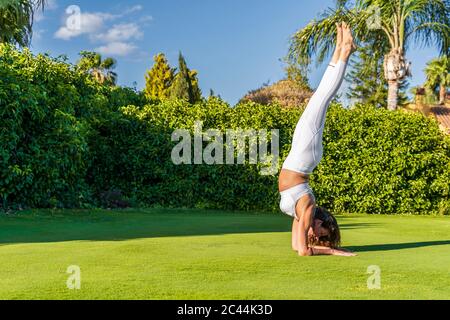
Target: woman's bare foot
[(339, 42), (348, 45)]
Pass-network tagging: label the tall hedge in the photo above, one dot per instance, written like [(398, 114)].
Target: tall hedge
[(375, 161), (66, 140)]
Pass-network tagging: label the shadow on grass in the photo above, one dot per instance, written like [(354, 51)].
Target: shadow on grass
[(113, 226), (351, 226), (398, 246), (121, 226)]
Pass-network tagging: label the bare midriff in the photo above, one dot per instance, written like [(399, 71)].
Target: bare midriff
[(289, 179)]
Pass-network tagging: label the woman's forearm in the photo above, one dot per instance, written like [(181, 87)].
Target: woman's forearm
[(322, 251)]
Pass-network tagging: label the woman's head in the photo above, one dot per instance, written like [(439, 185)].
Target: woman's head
[(325, 229)]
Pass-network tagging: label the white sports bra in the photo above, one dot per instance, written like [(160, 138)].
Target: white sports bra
[(290, 198)]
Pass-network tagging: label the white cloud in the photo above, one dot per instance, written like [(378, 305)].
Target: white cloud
[(111, 40), (134, 9), (88, 23), (120, 33), (117, 49)]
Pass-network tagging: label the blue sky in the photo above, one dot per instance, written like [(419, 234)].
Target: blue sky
[(235, 45)]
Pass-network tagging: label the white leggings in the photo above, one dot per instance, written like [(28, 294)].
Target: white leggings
[(307, 148)]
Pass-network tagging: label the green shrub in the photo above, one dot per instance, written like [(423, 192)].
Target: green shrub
[(45, 112), (42, 143)]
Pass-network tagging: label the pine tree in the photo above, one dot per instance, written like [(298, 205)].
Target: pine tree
[(368, 84), (367, 78), (185, 85), (159, 79)]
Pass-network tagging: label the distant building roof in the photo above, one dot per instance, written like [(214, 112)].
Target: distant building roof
[(442, 114)]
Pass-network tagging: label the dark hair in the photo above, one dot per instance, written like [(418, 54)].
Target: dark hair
[(333, 240)]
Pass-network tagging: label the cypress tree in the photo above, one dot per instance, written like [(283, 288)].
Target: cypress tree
[(185, 85), (196, 91)]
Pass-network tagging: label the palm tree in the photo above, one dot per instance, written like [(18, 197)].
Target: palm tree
[(16, 20), (399, 22), (438, 76), (99, 68)]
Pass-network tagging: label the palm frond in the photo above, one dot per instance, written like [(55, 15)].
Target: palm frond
[(428, 23), (108, 63), (438, 72), (317, 38), (16, 20)]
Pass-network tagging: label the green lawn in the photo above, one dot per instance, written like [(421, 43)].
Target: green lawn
[(192, 254)]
